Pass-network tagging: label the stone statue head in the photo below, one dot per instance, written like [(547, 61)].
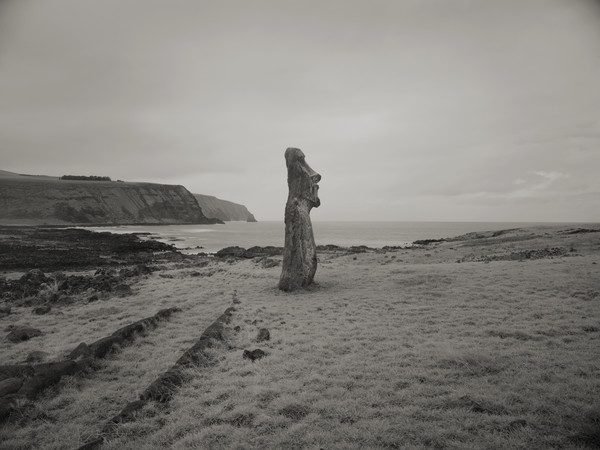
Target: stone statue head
[(302, 180)]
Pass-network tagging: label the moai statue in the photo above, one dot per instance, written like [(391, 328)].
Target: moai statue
[(300, 253)]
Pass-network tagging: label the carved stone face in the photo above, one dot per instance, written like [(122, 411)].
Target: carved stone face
[(302, 180)]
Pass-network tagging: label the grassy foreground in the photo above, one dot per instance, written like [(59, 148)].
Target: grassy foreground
[(487, 341)]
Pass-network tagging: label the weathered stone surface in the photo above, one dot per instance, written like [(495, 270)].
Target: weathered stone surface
[(263, 335), (16, 371), (22, 333), (10, 386), (299, 254), (47, 374)]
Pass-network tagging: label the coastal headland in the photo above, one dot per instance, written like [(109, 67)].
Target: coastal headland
[(486, 340), (95, 200)]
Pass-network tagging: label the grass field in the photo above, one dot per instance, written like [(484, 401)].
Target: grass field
[(490, 341)]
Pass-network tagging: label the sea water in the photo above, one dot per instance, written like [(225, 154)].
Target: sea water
[(211, 238)]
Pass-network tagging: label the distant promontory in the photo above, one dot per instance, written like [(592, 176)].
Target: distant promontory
[(75, 200), (223, 209)]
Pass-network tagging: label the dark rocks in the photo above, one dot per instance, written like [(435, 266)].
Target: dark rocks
[(81, 351), (254, 354), (255, 252), (16, 370), (40, 310), (140, 269), (328, 247), (5, 310), (252, 252), (48, 374), (123, 290), (235, 251), (263, 335), (23, 333), (359, 249), (34, 277), (45, 249), (10, 386), (428, 241)]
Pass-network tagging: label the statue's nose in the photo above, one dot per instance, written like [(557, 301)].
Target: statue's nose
[(316, 178)]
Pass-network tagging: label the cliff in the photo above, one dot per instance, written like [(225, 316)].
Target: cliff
[(37, 200), (223, 209)]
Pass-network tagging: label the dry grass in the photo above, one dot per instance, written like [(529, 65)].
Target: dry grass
[(406, 349)]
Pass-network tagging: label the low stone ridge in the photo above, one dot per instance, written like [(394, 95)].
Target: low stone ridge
[(428, 241), (163, 388), (252, 252), (22, 333), (555, 252), (102, 347), (34, 378)]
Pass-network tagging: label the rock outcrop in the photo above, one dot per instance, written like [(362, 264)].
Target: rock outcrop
[(42, 200), (224, 210), (299, 253)]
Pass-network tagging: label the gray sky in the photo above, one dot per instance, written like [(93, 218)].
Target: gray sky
[(409, 109)]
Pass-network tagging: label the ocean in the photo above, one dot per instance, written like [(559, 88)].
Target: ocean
[(211, 238)]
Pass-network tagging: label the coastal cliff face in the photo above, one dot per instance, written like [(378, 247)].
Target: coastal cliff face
[(223, 209), (35, 200)]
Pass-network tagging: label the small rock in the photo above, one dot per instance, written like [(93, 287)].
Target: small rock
[(36, 356), (34, 276), (44, 309), (10, 386), (5, 310), (106, 271), (93, 298), (237, 329), (263, 335), (254, 354), (22, 333), (123, 290)]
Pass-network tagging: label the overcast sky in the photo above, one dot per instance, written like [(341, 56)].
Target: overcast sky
[(466, 110)]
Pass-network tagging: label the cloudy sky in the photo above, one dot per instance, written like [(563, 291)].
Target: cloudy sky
[(466, 110)]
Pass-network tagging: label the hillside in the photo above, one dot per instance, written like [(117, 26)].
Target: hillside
[(43, 200), (223, 209)]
